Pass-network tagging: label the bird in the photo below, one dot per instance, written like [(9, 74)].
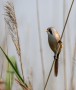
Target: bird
[(55, 44)]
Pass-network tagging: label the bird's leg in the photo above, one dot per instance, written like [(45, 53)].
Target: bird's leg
[(55, 56)]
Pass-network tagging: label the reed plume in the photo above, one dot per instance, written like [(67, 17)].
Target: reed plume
[(10, 19)]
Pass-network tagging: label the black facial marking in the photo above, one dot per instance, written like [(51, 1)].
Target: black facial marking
[(49, 29)]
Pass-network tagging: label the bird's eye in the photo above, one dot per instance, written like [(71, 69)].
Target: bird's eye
[(50, 30)]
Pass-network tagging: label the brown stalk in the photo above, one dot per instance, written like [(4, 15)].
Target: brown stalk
[(22, 85)]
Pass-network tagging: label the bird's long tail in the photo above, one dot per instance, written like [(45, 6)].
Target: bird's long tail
[(56, 67)]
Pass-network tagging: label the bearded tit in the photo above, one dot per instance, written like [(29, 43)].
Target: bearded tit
[(55, 45)]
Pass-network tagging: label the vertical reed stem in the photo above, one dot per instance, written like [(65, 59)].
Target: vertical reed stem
[(40, 42)]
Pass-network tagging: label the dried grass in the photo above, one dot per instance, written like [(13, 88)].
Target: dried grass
[(10, 19)]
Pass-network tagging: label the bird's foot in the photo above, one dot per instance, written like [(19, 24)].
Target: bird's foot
[(55, 57)]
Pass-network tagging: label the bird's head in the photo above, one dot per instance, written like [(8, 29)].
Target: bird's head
[(49, 30), (52, 32)]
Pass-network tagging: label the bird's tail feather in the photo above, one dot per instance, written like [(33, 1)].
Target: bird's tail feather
[(56, 67)]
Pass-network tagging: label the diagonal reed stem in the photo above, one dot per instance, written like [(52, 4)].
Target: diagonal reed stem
[(49, 74), (60, 40), (67, 19)]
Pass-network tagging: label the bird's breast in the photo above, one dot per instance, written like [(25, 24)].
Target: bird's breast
[(52, 43)]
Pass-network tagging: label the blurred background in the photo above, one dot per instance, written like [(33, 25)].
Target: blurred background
[(33, 18)]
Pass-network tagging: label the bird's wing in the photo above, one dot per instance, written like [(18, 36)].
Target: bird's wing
[(57, 36)]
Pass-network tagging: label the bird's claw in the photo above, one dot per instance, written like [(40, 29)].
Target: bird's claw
[(55, 57)]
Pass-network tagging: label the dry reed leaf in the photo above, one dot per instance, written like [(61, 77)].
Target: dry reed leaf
[(23, 86)]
